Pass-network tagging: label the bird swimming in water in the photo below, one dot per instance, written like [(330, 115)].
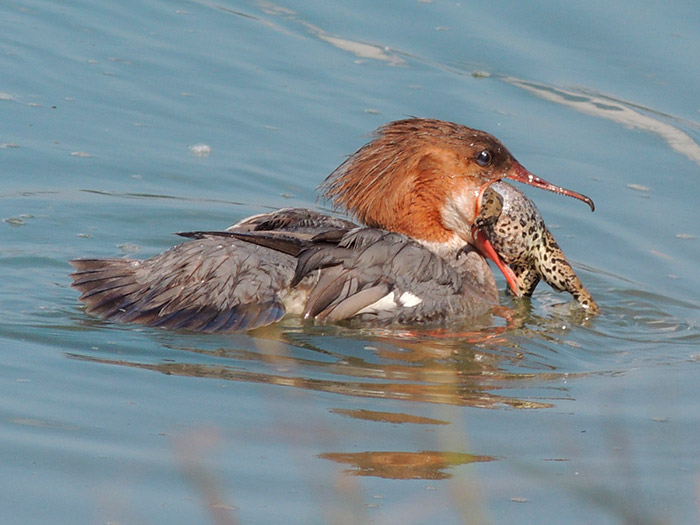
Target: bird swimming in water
[(422, 189)]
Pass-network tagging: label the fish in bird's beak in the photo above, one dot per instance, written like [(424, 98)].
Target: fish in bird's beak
[(510, 231)]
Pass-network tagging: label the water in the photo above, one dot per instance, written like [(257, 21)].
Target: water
[(555, 418)]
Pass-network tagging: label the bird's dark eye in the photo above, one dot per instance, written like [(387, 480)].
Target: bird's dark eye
[(483, 159)]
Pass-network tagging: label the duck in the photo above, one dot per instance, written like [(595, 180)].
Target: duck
[(426, 208)]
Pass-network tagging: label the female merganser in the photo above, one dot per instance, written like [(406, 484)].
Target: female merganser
[(419, 187)]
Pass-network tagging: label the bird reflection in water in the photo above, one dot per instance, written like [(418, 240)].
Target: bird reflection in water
[(403, 465), (409, 366), (400, 365)]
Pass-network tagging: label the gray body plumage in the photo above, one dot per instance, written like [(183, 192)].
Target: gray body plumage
[(205, 285), (297, 261), (320, 266), (389, 277)]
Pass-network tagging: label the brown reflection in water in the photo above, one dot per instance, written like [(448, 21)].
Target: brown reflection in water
[(430, 366), (471, 394), (403, 465), (387, 417)]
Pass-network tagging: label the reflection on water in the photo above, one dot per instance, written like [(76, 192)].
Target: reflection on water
[(411, 385), (388, 417), (524, 359), (399, 365), (395, 366), (403, 465), (477, 368)]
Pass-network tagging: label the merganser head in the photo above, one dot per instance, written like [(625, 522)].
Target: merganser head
[(424, 177)]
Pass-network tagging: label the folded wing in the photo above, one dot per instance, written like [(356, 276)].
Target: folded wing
[(387, 277)]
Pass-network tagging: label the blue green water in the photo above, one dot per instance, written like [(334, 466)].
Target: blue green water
[(557, 419)]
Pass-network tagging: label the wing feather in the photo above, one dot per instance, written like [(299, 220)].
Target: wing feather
[(208, 284), (354, 303)]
